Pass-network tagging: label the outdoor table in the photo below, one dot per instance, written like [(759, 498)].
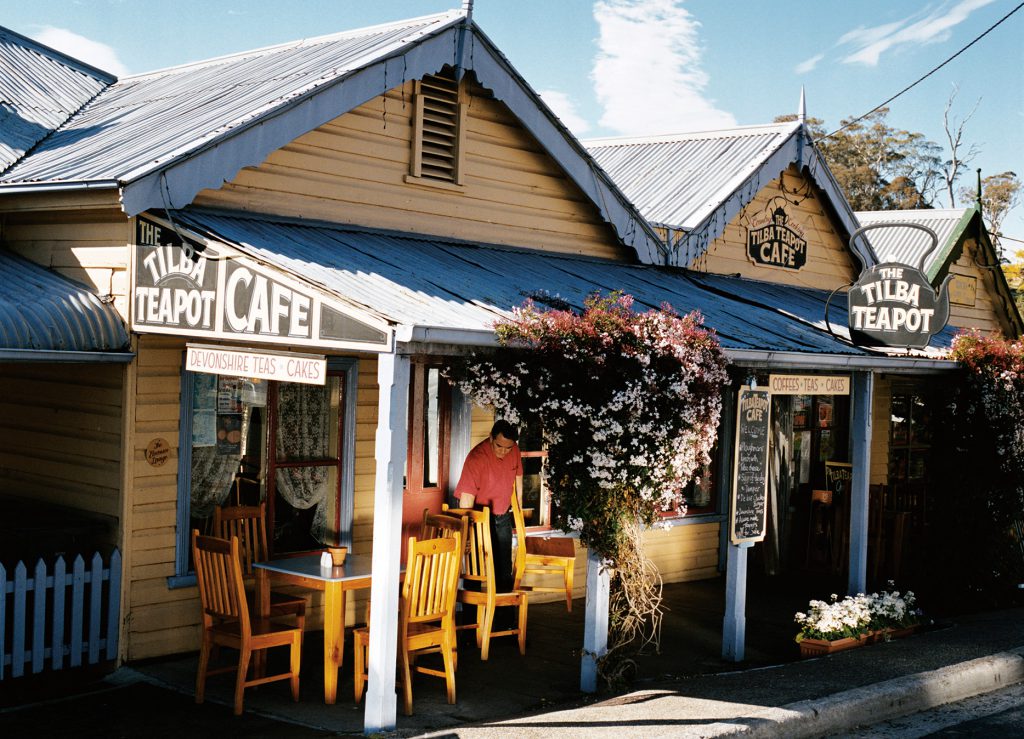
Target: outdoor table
[(306, 572)]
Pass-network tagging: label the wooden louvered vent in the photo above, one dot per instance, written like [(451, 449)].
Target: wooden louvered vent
[(436, 143)]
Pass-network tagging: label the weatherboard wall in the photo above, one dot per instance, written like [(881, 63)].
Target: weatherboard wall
[(986, 312), (354, 171), (829, 262)]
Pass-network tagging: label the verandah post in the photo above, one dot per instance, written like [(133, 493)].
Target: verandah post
[(595, 627), (389, 450), (860, 432)]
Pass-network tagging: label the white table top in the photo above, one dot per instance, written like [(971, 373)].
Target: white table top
[(356, 567)]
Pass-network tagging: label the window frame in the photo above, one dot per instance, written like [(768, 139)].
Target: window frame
[(348, 370)]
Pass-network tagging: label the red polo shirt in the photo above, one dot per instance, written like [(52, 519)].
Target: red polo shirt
[(488, 478)]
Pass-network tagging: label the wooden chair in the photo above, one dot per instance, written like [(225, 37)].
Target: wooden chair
[(249, 524), (479, 588), (542, 557), (227, 622), (426, 620), (443, 526)]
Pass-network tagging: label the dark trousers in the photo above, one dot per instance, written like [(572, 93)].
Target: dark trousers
[(501, 546)]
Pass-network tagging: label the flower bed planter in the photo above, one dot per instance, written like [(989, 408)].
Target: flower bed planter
[(820, 647)]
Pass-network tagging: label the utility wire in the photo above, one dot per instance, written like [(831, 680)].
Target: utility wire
[(926, 76)]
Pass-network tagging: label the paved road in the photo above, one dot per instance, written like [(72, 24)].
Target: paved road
[(996, 714)]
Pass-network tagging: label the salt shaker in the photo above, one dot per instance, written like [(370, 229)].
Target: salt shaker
[(325, 561)]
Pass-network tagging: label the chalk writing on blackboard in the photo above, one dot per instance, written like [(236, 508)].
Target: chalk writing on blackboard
[(750, 473)]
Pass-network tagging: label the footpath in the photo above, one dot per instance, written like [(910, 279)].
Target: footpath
[(955, 658)]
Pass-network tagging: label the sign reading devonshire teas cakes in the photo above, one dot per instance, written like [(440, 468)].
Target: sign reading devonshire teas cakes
[(749, 509), (188, 288)]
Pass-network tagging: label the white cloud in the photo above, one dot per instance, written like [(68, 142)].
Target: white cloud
[(91, 52), (871, 43), (565, 109), (808, 65), (647, 74)]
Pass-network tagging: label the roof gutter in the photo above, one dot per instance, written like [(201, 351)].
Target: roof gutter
[(774, 359), (29, 187), (436, 335), (65, 357)]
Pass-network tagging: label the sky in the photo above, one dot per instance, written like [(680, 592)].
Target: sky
[(637, 67)]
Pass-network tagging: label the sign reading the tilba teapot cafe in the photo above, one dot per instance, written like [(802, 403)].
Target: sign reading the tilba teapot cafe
[(188, 288), (774, 239)]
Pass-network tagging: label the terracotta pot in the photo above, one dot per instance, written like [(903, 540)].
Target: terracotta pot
[(819, 647)]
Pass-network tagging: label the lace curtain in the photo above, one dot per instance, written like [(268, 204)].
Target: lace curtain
[(303, 433), (213, 471)]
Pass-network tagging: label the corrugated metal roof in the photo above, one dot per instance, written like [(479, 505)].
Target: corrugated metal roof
[(908, 245), (42, 311), (143, 121), (39, 90), (676, 180), (165, 136), (431, 282)]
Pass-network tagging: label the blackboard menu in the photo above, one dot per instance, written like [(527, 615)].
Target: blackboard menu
[(749, 508)]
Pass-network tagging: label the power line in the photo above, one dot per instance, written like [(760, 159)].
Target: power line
[(925, 76)]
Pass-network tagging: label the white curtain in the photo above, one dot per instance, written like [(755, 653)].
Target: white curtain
[(303, 433)]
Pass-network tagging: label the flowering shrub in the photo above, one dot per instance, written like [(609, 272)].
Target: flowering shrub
[(856, 615), (629, 405), (976, 477)]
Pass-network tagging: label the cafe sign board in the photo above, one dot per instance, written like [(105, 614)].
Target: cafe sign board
[(893, 304), (188, 287), (775, 240), (748, 513), (809, 384)]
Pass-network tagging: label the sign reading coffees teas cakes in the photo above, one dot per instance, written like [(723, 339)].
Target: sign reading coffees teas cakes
[(749, 509)]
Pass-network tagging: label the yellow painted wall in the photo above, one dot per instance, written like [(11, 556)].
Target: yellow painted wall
[(89, 246), (60, 437), (829, 262), (988, 313), (353, 171)]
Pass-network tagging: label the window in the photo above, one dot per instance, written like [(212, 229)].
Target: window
[(535, 495), (291, 445), (909, 439), (438, 128), (429, 412)]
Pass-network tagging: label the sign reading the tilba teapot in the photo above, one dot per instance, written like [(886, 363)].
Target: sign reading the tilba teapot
[(192, 287), (809, 384), (894, 304)]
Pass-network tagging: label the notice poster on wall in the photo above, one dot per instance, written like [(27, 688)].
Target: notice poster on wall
[(749, 508)]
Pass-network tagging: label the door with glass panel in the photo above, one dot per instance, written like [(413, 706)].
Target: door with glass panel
[(426, 466)]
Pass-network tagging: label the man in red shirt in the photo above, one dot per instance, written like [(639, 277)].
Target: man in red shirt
[(491, 469)]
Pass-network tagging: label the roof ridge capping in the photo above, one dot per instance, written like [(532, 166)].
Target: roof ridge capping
[(58, 56), (421, 21), (666, 138)]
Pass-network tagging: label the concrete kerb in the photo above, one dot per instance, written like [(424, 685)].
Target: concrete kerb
[(883, 701)]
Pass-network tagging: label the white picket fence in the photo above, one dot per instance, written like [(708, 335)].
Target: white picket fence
[(58, 620)]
